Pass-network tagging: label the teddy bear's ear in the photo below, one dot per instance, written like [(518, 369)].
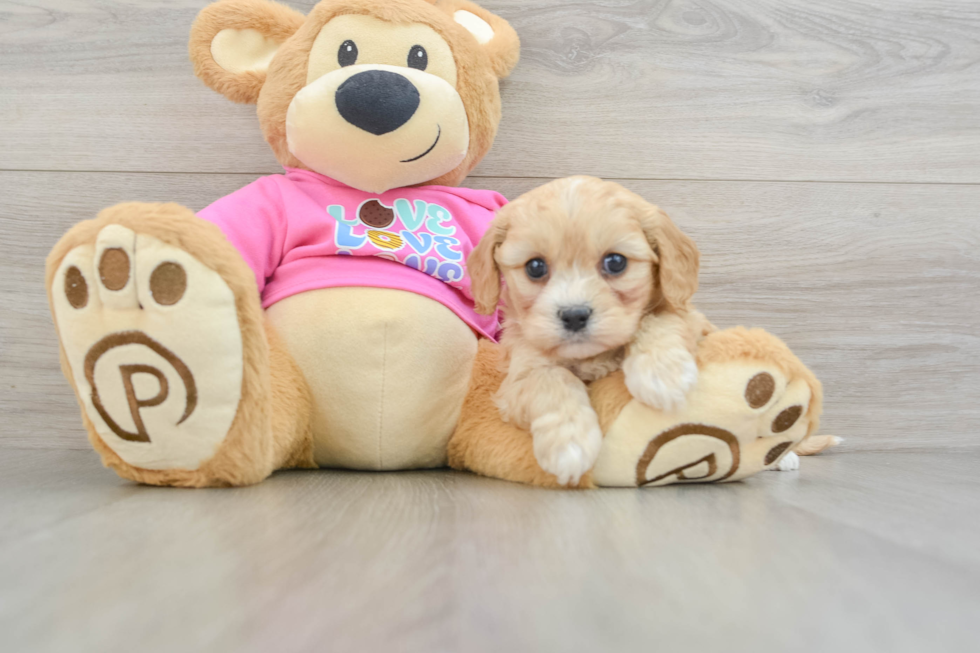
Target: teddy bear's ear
[(233, 41), (494, 34)]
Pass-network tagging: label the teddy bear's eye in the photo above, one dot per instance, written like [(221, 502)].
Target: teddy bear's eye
[(347, 54), (418, 58)]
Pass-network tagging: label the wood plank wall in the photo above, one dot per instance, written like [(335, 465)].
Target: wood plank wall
[(825, 156)]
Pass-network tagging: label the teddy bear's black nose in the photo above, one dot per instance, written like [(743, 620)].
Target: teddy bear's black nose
[(377, 101)]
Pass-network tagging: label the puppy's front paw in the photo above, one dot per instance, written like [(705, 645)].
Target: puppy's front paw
[(661, 379), (567, 444)]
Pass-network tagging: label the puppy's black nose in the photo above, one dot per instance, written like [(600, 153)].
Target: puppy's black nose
[(377, 101), (575, 317)]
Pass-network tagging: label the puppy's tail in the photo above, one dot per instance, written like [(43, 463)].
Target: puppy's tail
[(817, 443)]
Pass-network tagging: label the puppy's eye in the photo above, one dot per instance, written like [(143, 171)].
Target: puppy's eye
[(418, 58), (347, 54), (614, 264), (536, 268)]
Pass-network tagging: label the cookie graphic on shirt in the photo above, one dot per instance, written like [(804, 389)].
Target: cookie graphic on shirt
[(374, 214)]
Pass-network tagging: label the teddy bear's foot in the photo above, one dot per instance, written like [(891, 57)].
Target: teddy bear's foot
[(157, 349), (753, 403)]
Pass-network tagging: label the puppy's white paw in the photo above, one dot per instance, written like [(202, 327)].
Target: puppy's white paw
[(661, 379), (567, 444), (789, 463)]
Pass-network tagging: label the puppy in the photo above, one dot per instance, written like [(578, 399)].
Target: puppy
[(595, 279)]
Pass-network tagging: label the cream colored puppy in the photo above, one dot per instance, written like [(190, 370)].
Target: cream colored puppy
[(595, 278)]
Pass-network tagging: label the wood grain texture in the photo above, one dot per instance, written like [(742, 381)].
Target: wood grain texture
[(871, 90), (857, 552), (749, 121), (872, 285)]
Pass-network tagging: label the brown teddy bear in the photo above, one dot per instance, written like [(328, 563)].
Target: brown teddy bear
[(323, 317)]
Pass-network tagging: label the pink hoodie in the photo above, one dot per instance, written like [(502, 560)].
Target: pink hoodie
[(303, 231)]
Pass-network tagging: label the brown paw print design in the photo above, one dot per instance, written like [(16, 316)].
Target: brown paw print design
[(720, 454), (153, 341)]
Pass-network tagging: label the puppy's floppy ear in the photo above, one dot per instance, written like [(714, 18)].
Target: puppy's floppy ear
[(679, 259), (484, 273), (494, 34), (233, 41)]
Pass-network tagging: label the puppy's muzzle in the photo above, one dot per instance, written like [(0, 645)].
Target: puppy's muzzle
[(575, 318), (377, 101)]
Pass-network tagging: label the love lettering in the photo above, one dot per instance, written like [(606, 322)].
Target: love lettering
[(425, 242)]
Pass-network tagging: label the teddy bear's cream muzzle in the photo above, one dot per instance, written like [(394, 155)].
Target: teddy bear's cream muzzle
[(377, 127)]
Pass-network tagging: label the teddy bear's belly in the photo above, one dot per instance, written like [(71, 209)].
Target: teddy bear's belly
[(388, 370)]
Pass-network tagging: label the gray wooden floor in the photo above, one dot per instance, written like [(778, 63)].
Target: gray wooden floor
[(825, 154), (857, 552)]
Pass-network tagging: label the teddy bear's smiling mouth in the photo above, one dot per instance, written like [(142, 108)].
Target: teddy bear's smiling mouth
[(431, 147)]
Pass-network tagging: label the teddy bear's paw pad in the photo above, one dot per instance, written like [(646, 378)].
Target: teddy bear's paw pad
[(740, 419), (783, 424), (153, 341)]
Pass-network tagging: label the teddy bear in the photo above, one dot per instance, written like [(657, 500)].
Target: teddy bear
[(323, 317)]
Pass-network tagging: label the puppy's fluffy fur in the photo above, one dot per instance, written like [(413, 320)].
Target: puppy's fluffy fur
[(584, 318)]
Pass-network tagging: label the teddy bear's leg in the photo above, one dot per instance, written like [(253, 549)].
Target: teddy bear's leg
[(166, 345), (753, 403)]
